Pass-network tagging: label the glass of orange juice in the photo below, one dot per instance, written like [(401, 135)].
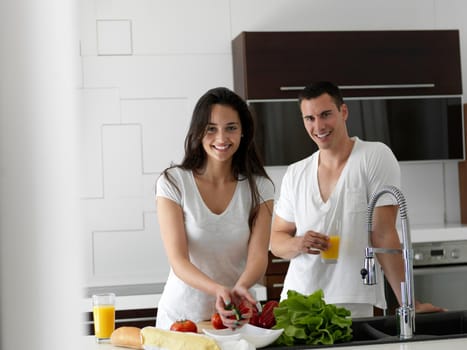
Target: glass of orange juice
[(331, 255), (103, 310)]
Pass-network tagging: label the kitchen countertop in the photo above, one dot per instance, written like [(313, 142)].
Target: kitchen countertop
[(421, 234), (89, 343)]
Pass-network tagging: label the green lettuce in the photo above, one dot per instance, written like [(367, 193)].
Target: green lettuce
[(309, 320)]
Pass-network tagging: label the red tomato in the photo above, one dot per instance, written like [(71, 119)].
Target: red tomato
[(216, 321), (184, 326)]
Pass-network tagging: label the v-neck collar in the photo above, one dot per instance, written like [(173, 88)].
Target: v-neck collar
[(200, 197), (338, 185)]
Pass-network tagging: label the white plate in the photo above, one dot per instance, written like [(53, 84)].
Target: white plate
[(257, 336), (222, 335)]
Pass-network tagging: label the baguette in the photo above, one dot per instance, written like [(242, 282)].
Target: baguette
[(128, 337), (171, 340)]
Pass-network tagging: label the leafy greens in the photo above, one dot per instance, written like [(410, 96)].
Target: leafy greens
[(309, 320)]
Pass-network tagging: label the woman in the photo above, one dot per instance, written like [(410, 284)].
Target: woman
[(214, 211)]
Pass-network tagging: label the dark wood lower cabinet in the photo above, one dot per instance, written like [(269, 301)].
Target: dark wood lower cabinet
[(274, 278)]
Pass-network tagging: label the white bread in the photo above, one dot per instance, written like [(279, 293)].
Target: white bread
[(128, 337), (177, 340)]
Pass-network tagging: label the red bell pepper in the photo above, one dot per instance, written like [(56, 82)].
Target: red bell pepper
[(267, 319)]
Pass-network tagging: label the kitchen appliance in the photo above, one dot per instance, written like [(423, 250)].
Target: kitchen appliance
[(440, 273), (415, 128)]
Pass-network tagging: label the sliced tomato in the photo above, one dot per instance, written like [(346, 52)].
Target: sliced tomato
[(216, 321)]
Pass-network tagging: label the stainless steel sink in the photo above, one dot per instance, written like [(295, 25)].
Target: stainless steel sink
[(383, 330), (442, 325)]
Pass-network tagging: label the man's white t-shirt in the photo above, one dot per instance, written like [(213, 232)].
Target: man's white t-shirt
[(217, 244), (371, 165)]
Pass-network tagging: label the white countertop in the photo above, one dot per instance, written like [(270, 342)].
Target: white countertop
[(89, 343), (420, 234)]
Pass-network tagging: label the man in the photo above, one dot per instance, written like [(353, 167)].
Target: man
[(330, 190)]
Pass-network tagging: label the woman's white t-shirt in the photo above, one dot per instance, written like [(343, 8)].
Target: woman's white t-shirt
[(217, 244)]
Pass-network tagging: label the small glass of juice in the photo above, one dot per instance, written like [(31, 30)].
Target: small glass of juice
[(103, 309), (331, 255)]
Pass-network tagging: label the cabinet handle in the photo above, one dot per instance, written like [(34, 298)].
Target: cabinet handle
[(366, 87), (277, 285), (278, 261)]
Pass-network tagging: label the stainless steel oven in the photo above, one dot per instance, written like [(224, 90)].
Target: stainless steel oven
[(440, 273)]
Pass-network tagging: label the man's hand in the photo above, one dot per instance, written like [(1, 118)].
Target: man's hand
[(427, 307)]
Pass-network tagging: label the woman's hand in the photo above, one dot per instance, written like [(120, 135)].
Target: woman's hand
[(230, 304), (313, 243), (242, 293), (224, 299)]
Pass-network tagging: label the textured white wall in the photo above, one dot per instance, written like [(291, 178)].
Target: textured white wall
[(144, 65)]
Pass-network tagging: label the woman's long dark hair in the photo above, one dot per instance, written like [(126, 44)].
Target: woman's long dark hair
[(246, 163)]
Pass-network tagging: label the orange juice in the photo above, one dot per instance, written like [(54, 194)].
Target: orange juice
[(104, 320), (331, 255)]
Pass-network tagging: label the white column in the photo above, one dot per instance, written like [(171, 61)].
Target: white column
[(40, 248)]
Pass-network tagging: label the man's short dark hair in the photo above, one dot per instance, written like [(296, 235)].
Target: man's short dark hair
[(319, 88)]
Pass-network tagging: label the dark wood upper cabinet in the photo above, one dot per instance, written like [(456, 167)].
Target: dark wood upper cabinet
[(274, 65)]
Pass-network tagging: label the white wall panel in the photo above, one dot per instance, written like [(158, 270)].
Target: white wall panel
[(173, 27), (287, 15), (88, 39), (141, 250), (159, 76), (202, 26), (451, 181), (138, 76), (149, 200), (423, 188), (99, 106), (114, 37), (113, 214), (108, 215), (211, 71), (164, 124), (123, 166)]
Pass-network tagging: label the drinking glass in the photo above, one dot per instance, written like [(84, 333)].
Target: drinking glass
[(331, 255), (104, 315)]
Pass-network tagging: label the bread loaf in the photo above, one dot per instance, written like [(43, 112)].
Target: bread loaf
[(129, 337), (177, 340)]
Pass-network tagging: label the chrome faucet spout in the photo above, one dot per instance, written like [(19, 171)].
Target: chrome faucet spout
[(406, 312)]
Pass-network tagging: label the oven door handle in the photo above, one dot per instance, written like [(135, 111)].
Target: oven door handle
[(431, 270)]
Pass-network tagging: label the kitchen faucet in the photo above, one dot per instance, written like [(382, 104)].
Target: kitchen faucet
[(405, 314)]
